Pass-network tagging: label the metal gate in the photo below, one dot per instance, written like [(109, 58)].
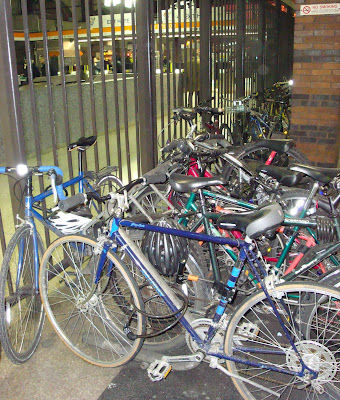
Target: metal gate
[(116, 69)]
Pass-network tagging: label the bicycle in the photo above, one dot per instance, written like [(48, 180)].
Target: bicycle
[(21, 317), (285, 336)]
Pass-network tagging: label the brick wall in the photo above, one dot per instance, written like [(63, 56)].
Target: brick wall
[(316, 91)]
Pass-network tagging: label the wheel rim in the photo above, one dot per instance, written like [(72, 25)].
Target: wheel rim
[(316, 334), (89, 317), (22, 316)]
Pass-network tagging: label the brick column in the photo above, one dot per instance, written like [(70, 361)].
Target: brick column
[(316, 91)]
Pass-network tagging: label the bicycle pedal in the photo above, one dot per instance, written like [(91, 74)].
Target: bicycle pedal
[(158, 370)]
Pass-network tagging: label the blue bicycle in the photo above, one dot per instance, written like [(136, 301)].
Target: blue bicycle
[(281, 342), (21, 315)]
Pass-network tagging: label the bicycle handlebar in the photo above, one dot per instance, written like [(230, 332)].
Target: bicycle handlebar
[(55, 173), (73, 201), (210, 110)]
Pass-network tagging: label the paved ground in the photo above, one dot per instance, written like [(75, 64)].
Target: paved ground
[(55, 373)]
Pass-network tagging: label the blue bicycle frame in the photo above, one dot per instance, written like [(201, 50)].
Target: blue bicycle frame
[(163, 290), (31, 214)]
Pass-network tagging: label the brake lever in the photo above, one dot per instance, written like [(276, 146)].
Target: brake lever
[(53, 186)]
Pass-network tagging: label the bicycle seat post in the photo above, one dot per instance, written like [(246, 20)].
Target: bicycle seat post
[(80, 167)]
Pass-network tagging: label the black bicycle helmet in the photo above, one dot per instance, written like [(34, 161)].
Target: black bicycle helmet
[(165, 252)]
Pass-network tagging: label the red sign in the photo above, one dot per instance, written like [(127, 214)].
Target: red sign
[(306, 10)]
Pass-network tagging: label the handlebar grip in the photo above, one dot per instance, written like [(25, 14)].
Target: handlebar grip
[(184, 147), (158, 178), (217, 136), (73, 201), (171, 146)]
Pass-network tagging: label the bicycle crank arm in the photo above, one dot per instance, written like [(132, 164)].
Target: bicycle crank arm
[(215, 365), (159, 369), (196, 358)]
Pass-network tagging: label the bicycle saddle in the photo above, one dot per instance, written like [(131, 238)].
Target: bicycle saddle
[(184, 183), (281, 174), (254, 223), (324, 175), (278, 145), (82, 143)]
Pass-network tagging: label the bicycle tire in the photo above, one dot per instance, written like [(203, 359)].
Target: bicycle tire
[(254, 325), (107, 184), (91, 319), (199, 296), (150, 201), (258, 152), (293, 200), (103, 186), (226, 132), (21, 316)]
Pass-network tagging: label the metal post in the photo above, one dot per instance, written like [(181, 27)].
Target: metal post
[(10, 110), (240, 46), (262, 41), (205, 49), (144, 70), (290, 40), (278, 29)]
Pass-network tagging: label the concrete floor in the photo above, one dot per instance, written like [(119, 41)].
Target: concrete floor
[(53, 372)]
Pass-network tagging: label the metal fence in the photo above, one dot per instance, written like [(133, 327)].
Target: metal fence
[(116, 69)]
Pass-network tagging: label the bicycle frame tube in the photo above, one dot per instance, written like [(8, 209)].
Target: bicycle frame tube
[(171, 299)]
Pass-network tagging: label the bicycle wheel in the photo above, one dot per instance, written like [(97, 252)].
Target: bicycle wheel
[(255, 335), (259, 153), (150, 201), (199, 295), (226, 132), (21, 312), (89, 318), (107, 184), (293, 200), (103, 186)]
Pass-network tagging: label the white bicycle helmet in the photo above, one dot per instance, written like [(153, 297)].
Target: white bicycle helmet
[(68, 223)]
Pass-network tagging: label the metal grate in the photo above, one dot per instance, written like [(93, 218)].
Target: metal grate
[(150, 58)]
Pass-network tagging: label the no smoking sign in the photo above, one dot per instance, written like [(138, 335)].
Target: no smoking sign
[(320, 9), (306, 10)]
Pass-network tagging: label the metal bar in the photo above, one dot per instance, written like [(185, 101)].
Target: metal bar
[(153, 77), (125, 107), (144, 70), (196, 69), (48, 79), (190, 66), (168, 65), (215, 69), (115, 86), (185, 73), (278, 30), (262, 41), (290, 32), (240, 47), (139, 172), (92, 97), (180, 94), (78, 67), (174, 60), (2, 236), (226, 54), (10, 110), (29, 62), (161, 59), (63, 87), (104, 97)]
